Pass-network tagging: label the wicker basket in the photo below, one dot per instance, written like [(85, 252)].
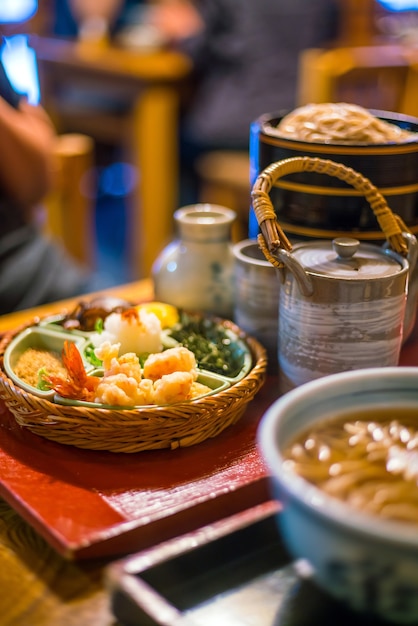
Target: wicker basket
[(272, 238), (135, 430)]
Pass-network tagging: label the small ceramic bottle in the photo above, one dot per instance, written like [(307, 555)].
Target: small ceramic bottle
[(196, 270)]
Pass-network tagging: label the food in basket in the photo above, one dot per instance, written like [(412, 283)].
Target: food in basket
[(368, 460), (230, 367), (165, 377), (152, 327), (135, 329), (35, 360), (340, 123), (85, 315), (150, 354)]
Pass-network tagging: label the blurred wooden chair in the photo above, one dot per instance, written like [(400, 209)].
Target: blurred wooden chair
[(359, 66), (370, 76), (409, 104), (69, 207)]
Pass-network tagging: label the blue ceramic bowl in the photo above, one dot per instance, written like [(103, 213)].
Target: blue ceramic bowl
[(366, 561)]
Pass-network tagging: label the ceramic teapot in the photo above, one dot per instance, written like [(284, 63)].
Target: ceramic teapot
[(342, 304)]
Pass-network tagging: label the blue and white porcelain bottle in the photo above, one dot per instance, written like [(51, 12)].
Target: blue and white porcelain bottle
[(196, 270)]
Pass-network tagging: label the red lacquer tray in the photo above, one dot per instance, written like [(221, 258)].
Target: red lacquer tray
[(92, 504)]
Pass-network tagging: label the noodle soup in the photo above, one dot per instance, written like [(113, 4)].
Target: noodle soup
[(358, 552), (368, 459)]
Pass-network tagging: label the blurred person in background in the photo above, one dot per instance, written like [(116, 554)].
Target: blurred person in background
[(33, 270), (245, 56)]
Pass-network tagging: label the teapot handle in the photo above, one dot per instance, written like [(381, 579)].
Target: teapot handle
[(272, 239)]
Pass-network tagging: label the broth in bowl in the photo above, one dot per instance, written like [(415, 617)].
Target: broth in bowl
[(368, 459)]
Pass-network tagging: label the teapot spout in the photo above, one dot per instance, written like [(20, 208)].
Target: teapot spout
[(303, 279)]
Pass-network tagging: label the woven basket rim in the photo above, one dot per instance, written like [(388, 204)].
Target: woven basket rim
[(42, 415)]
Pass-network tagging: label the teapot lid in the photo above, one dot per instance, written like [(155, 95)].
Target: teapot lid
[(346, 258)]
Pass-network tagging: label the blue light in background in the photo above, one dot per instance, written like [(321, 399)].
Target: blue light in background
[(19, 61), (172, 266), (12, 11), (400, 5), (118, 179)]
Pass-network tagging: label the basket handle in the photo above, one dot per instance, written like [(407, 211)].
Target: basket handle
[(272, 237)]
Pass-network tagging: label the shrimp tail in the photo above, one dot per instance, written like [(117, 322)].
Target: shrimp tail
[(77, 384)]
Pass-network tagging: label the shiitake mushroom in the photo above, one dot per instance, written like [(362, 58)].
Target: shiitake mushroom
[(86, 314)]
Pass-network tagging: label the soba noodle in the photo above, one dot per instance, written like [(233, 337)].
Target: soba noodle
[(339, 123), (369, 462)]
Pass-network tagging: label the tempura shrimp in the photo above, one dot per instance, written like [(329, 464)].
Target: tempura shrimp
[(77, 383), (167, 377), (178, 359), (173, 387), (106, 352), (122, 390), (127, 364)]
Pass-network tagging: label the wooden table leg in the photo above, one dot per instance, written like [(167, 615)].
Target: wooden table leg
[(69, 210), (409, 103), (154, 146)]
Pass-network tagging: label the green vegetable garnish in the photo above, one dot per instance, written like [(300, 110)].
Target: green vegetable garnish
[(212, 346), (91, 357), (42, 384)]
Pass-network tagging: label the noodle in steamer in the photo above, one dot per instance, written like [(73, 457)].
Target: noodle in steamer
[(340, 123)]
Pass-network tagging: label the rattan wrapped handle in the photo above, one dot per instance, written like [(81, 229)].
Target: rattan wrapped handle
[(272, 236)]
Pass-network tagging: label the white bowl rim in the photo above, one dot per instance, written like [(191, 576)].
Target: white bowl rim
[(311, 497)]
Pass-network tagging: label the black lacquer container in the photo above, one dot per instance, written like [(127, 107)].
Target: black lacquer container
[(311, 205)]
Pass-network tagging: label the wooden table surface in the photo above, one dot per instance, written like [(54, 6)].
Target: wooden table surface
[(39, 587), (150, 82)]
